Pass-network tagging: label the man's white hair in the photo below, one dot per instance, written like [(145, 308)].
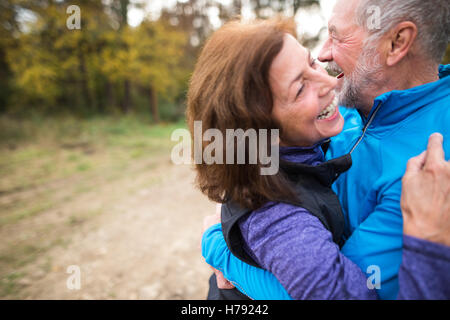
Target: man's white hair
[(432, 18)]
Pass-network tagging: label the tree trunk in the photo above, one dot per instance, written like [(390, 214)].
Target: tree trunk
[(123, 20), (84, 81), (126, 97), (154, 104), (108, 100), (5, 75)]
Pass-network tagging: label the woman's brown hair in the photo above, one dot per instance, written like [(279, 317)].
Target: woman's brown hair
[(230, 89)]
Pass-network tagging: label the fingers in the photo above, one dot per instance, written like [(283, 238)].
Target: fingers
[(435, 151), (415, 164), (222, 283)]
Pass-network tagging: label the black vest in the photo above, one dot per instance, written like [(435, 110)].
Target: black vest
[(312, 184)]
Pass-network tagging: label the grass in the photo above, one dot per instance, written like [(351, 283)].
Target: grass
[(9, 284), (36, 152), (47, 162), (17, 215)]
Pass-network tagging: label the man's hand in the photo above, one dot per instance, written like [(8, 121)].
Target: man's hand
[(425, 200), (209, 221)]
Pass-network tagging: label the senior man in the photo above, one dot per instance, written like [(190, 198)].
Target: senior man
[(389, 73), (388, 65)]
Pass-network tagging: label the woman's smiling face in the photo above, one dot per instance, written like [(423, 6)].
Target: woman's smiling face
[(305, 104)]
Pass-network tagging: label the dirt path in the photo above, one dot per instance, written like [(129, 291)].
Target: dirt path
[(145, 244)]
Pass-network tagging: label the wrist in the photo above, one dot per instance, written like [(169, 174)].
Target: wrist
[(428, 233)]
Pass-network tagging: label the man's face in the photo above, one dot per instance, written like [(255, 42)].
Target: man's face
[(345, 37), (344, 51)]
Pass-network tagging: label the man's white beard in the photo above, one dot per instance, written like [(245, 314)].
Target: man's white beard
[(366, 77)]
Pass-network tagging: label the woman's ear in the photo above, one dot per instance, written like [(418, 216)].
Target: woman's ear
[(401, 40)]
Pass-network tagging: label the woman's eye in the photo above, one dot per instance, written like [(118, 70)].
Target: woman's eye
[(299, 91), (313, 64)]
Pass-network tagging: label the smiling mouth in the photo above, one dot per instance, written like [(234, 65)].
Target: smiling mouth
[(329, 111)]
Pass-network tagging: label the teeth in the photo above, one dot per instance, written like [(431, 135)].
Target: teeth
[(328, 111)]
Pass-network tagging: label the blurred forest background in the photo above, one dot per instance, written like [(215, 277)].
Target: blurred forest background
[(108, 66), (85, 122)]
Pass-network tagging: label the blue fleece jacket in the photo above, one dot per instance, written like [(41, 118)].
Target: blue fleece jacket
[(370, 191)]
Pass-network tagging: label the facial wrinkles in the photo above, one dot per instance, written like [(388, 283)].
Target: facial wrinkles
[(341, 23), (284, 90), (280, 95), (347, 36), (358, 64), (351, 41), (277, 82)]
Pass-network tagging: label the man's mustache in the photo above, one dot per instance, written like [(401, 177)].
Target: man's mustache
[(332, 67)]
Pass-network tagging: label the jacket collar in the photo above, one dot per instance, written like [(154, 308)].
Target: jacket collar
[(310, 161), (311, 155), (394, 106), (326, 172)]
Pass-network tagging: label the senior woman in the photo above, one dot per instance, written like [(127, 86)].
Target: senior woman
[(257, 76)]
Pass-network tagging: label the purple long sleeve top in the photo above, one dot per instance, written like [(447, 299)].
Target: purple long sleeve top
[(294, 245)]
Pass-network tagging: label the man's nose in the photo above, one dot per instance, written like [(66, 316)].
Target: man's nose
[(325, 53)]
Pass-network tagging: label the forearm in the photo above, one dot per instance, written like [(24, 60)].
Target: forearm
[(299, 251), (424, 272), (336, 278), (254, 282)]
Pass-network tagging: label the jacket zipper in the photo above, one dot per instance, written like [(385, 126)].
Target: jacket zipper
[(369, 122)]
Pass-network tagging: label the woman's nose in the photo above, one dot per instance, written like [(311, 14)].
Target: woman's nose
[(328, 83)]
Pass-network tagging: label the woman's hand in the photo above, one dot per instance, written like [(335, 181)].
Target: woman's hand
[(213, 219), (425, 200), (209, 221)]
